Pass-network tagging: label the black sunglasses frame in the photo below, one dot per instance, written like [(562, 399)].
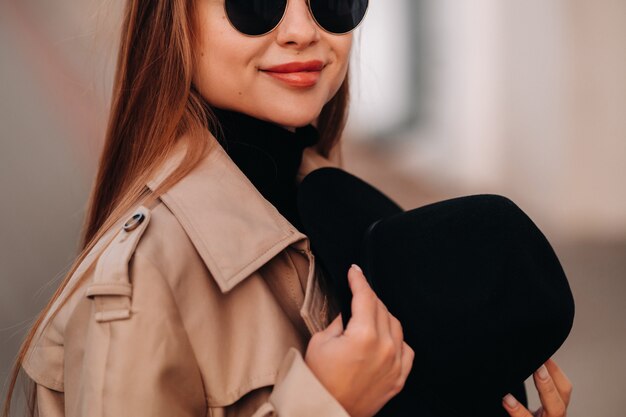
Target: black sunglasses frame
[(283, 16)]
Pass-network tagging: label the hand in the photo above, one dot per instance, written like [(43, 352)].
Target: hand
[(555, 391), (366, 365)]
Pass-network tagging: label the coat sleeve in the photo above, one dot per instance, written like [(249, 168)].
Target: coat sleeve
[(123, 350), (136, 363), (50, 403), (298, 392), (148, 390), (145, 366), (116, 349), (165, 371)]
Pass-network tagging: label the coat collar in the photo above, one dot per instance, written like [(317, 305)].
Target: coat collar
[(232, 226)]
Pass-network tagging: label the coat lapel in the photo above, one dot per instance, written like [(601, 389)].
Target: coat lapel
[(233, 227)]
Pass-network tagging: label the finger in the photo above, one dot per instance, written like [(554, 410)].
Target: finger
[(550, 398), (562, 382), (395, 327), (335, 328), (382, 320), (364, 301), (357, 281), (407, 361), (514, 408)]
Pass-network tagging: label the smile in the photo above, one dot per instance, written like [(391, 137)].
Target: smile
[(296, 74)]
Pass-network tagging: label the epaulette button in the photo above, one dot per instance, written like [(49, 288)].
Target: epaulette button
[(134, 222)]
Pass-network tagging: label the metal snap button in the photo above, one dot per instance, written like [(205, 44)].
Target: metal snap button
[(134, 222)]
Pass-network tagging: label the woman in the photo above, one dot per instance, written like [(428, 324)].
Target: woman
[(195, 292)]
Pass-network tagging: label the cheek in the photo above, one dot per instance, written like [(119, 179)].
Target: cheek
[(346, 46), (223, 68), (342, 47), (223, 55)]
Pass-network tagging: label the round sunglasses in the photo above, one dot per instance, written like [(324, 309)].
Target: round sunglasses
[(260, 17)]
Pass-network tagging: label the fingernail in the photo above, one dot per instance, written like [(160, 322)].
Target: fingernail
[(542, 373), (358, 268), (510, 401)]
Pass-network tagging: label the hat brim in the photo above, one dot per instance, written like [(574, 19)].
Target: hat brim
[(479, 290)]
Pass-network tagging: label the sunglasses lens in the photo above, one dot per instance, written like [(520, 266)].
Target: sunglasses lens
[(255, 17), (339, 16)]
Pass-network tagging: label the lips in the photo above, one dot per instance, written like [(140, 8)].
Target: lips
[(308, 66), (296, 74)]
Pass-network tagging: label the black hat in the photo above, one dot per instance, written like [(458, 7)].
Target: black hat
[(480, 293)]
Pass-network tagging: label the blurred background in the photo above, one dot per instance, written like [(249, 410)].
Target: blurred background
[(525, 99)]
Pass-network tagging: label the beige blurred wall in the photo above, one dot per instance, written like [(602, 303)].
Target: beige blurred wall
[(596, 107), (528, 99), (569, 117), (55, 73)]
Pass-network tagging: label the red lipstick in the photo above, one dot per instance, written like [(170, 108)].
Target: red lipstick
[(297, 74)]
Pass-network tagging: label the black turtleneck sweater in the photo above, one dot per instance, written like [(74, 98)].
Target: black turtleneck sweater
[(269, 155)]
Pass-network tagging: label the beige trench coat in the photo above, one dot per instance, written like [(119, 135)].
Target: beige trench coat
[(204, 309)]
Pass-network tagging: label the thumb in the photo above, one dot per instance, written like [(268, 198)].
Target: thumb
[(335, 328), (356, 279)]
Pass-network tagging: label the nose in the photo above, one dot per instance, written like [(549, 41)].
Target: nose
[(297, 30)]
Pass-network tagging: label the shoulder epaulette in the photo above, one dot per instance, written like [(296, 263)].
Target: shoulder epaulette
[(111, 288)]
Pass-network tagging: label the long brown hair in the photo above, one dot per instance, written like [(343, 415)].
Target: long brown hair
[(145, 123)]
